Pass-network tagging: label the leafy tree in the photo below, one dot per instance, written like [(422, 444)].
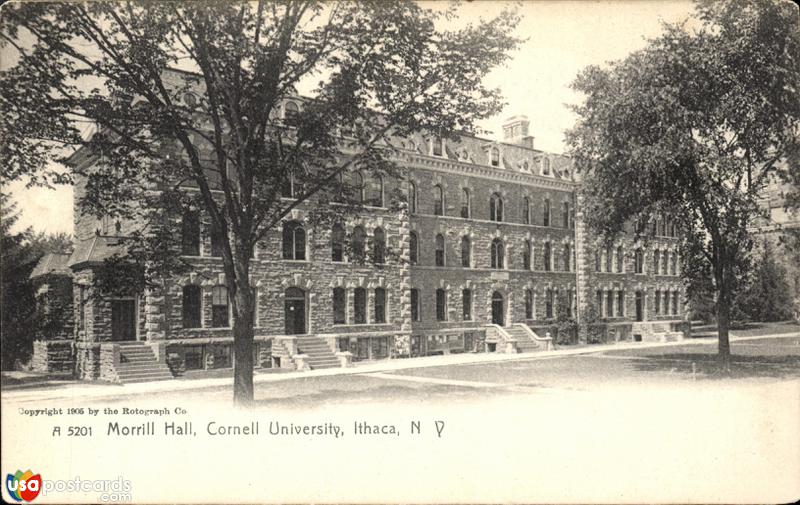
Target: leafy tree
[(18, 300), (767, 295), (379, 70), (693, 125)]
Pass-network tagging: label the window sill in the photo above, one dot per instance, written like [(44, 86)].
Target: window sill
[(361, 325)]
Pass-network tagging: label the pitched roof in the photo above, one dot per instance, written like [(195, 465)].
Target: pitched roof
[(95, 250), (51, 264)]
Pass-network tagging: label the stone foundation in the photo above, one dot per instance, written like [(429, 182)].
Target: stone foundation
[(53, 356)]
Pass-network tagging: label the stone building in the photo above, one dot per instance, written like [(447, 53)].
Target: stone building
[(492, 248)]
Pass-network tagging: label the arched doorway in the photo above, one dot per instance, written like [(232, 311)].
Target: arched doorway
[(295, 311), (498, 309), (639, 306)]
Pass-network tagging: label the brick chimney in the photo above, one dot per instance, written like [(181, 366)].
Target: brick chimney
[(515, 131)]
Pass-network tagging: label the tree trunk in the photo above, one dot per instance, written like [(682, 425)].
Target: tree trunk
[(243, 348), (723, 321)]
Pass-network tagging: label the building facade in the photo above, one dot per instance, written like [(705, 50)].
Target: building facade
[(489, 253)]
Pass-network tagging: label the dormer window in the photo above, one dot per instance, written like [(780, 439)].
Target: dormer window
[(437, 146), (546, 166), (494, 157), (290, 111)]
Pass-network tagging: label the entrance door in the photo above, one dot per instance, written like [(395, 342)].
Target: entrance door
[(123, 320), (295, 311), (497, 309), (639, 306)]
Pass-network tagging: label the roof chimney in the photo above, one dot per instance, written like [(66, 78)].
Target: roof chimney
[(515, 131)]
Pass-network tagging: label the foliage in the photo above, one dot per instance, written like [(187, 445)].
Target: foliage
[(566, 327), (378, 71), (693, 125), (18, 301), (767, 294), (19, 252)]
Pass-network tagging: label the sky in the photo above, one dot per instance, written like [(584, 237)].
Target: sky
[(562, 38)]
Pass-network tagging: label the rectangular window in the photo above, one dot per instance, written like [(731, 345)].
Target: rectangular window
[(82, 307), (193, 357), (466, 301), (414, 304), (441, 305), (339, 306), (620, 303), (675, 303), (380, 305), (548, 306), (565, 215), (657, 307), (609, 259), (217, 240), (191, 306), (610, 303), (600, 303), (619, 259), (360, 305), (219, 307), (666, 303)]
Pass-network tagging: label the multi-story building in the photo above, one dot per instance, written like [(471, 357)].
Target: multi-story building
[(491, 249)]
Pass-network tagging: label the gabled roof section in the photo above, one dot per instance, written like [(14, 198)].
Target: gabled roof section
[(95, 250), (51, 264)]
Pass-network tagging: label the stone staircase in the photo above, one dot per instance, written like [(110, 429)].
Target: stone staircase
[(319, 354), (658, 332), (524, 342), (138, 363)]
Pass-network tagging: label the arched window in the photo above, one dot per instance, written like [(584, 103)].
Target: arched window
[(375, 191), (496, 207), (466, 252), (360, 306), (526, 255), (656, 258), (378, 246), (337, 243), (565, 221), (219, 307), (412, 198), (675, 301), (638, 261), (548, 257), (546, 166), (528, 304), (192, 306), (495, 157), (380, 305), (498, 254), (546, 212), (190, 233), (567, 257), (440, 250), (526, 210), (294, 241), (619, 259), (358, 187), (339, 306), (413, 244), (673, 264), (359, 237), (290, 111), (609, 258), (664, 262), (465, 203), (438, 201), (549, 302)]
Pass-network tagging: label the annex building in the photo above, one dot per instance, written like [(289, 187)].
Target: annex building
[(494, 253)]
